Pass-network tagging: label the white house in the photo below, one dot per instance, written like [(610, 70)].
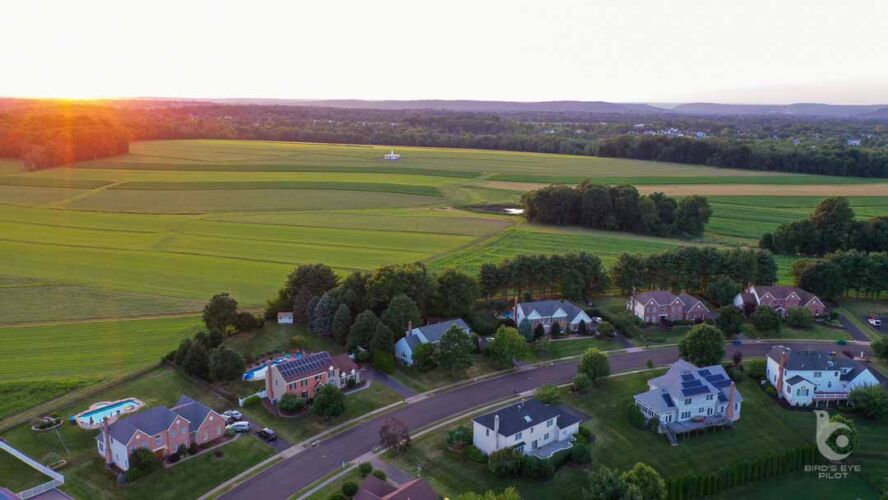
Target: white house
[(531, 427), (686, 398), (285, 318), (428, 334), (392, 156), (804, 377), (547, 312)]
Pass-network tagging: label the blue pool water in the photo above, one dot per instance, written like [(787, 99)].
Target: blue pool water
[(258, 373), (99, 414)]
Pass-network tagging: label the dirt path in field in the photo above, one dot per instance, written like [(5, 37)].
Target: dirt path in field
[(874, 189)]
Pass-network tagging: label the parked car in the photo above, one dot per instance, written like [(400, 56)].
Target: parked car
[(241, 426), (875, 321), (268, 434), (232, 415)]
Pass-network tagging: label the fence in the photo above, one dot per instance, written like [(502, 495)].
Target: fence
[(56, 478)]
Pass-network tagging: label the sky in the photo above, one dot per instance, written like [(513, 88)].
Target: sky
[(750, 51)]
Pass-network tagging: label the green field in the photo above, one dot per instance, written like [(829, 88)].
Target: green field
[(155, 233)]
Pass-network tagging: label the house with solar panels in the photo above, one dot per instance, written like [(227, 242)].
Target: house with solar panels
[(304, 376), (688, 398)]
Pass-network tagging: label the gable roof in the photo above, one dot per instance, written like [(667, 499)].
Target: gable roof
[(795, 379), (663, 298), (546, 308), (150, 421), (306, 366), (434, 331), (685, 380), (373, 488), (807, 360), (523, 415), (782, 292), (193, 411)]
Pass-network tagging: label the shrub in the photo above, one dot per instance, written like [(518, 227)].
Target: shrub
[(251, 401), (650, 363), (606, 329), (766, 321), (378, 474), (193, 449), (474, 454), (770, 391), (584, 435), (365, 468), (799, 317), (755, 369), (548, 394), (458, 438), (349, 488), (534, 467), (141, 463), (539, 331), (291, 403), (425, 357), (555, 329), (625, 323), (351, 383), (872, 401), (581, 453), (635, 417), (582, 383), (505, 462), (363, 356), (329, 402), (880, 348)]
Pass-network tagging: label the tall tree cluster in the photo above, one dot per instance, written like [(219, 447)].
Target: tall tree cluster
[(617, 208), (693, 269), (578, 274), (840, 273), (830, 228)]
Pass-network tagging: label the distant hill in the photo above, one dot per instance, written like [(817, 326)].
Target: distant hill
[(799, 109)]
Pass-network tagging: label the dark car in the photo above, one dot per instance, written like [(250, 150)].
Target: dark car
[(267, 434)]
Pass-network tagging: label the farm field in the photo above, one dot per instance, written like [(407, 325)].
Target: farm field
[(155, 233)]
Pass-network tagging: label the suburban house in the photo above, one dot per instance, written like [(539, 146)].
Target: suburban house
[(779, 298), (428, 334), (303, 376), (687, 398), (805, 377), (657, 306), (160, 429), (530, 427), (548, 312), (373, 488), (285, 318)]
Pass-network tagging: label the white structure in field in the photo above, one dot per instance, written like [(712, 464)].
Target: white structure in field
[(392, 156), (803, 377), (285, 318), (530, 427)]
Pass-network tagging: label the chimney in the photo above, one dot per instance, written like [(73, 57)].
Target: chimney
[(496, 423), (106, 434), (731, 397), (409, 327), (781, 368), (515, 311), (269, 387)]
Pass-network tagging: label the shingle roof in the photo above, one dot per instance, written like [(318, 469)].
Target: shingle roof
[(683, 380), (434, 331), (782, 292), (795, 379), (417, 489), (193, 411), (664, 298), (523, 415), (150, 421), (373, 488), (546, 308), (306, 366), (803, 360)]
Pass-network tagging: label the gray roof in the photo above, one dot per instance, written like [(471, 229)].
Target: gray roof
[(809, 360), (193, 411), (521, 416), (795, 379), (150, 421), (684, 380), (782, 292), (546, 308), (434, 331), (665, 298)]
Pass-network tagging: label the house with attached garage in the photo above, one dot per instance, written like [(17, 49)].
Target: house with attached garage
[(161, 430), (779, 298), (428, 334), (688, 398), (530, 427), (548, 312), (806, 377), (657, 306), (303, 376)]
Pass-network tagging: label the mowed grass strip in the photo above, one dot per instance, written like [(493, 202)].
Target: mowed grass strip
[(333, 186), (129, 164), (35, 195), (101, 349), (728, 177), (53, 182)]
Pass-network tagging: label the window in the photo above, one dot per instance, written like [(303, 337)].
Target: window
[(709, 397), (550, 422), (546, 436), (517, 436), (304, 394), (158, 441), (206, 435), (487, 432), (305, 382), (829, 384), (218, 431), (817, 374), (700, 410), (709, 411), (173, 433), (688, 401), (317, 378), (685, 414)]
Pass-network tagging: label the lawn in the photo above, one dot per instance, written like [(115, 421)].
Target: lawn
[(856, 310), (16, 475), (574, 347), (275, 338), (421, 381), (802, 485), (817, 332)]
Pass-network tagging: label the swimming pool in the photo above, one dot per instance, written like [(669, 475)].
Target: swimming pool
[(258, 373), (96, 414)]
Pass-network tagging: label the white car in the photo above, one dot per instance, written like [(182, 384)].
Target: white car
[(232, 415), (239, 427), (875, 321)]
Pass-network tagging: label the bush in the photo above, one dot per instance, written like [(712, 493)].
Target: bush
[(193, 449), (548, 394), (880, 348), (581, 453), (351, 383), (505, 462), (584, 435), (555, 329), (458, 438), (251, 401), (635, 417), (799, 317), (872, 401), (378, 474), (365, 468), (582, 383), (474, 454), (291, 403), (606, 329), (349, 488), (755, 369), (425, 357), (770, 390), (650, 363), (833, 315), (766, 321), (142, 463), (363, 356), (534, 467)]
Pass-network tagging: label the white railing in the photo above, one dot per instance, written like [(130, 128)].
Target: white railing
[(57, 479), (261, 394)]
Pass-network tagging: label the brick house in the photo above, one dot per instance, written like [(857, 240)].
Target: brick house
[(304, 376), (656, 306), (161, 430), (780, 298)]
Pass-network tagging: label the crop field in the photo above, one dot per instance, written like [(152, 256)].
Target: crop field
[(107, 263)]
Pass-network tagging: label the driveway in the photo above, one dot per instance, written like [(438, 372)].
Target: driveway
[(309, 465), (278, 444), (855, 332)]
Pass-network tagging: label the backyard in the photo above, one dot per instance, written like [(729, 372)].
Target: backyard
[(16, 475)]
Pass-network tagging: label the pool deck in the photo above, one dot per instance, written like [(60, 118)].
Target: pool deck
[(126, 405)]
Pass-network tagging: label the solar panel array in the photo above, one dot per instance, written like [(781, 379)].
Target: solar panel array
[(668, 399), (687, 377), (704, 372), (693, 391), (313, 363)]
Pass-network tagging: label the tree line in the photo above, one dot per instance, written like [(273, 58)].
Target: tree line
[(617, 208), (831, 227), (840, 273), (574, 276)]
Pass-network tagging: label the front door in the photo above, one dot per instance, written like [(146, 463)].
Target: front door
[(533, 445)]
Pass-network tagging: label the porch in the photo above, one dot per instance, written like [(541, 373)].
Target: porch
[(551, 448)]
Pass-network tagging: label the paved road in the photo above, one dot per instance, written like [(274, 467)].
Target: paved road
[(855, 332), (299, 471)]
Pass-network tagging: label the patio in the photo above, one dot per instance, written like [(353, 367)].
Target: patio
[(551, 448)]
